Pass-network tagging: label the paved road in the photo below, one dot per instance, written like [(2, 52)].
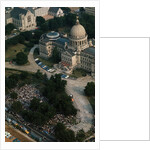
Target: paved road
[(85, 111), (75, 87)]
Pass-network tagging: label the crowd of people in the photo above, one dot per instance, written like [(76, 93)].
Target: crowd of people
[(26, 93)]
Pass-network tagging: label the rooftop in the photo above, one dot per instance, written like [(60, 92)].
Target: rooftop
[(90, 50), (54, 9), (17, 11)]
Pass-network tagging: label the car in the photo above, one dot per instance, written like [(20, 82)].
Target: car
[(47, 69), (52, 70), (45, 131), (71, 95), (43, 66), (63, 76), (36, 59), (39, 63), (66, 77)]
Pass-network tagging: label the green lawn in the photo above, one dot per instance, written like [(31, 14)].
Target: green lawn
[(13, 50), (9, 72), (78, 73)]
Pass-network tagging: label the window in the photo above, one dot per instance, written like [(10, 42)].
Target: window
[(29, 18)]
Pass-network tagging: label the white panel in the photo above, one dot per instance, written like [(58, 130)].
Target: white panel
[(125, 18), (124, 89), (136, 145)]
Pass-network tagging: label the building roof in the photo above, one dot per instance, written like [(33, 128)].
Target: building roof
[(17, 11), (90, 50), (31, 9), (62, 41), (70, 52), (54, 9), (7, 16)]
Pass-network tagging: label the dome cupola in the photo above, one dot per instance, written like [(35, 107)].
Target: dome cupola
[(77, 31)]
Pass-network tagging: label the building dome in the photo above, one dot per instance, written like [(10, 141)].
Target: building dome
[(77, 31), (53, 35)]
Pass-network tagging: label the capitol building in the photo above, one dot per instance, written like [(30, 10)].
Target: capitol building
[(76, 50)]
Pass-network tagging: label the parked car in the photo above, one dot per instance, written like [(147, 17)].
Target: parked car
[(66, 77), (47, 69), (43, 66), (51, 70), (71, 95), (36, 59), (39, 63)]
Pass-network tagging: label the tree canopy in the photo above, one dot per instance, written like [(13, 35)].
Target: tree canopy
[(8, 28), (56, 55), (13, 95), (90, 89), (63, 134), (54, 90), (39, 112), (40, 20), (21, 58), (16, 106)]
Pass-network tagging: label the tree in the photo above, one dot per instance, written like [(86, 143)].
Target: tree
[(66, 9), (90, 89), (39, 74), (13, 95), (40, 20), (21, 58), (82, 9), (12, 81), (21, 39), (16, 107), (8, 28), (63, 134), (56, 55), (34, 104), (88, 21), (27, 35), (80, 135), (24, 75), (37, 34), (44, 27)]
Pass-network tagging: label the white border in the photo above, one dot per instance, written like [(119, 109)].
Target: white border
[(49, 145)]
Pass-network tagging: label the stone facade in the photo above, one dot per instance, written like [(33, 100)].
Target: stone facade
[(23, 19), (76, 51), (56, 12), (39, 11)]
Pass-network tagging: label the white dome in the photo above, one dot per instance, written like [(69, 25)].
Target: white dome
[(77, 31)]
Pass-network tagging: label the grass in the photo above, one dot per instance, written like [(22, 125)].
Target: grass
[(13, 50), (78, 73), (10, 72)]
